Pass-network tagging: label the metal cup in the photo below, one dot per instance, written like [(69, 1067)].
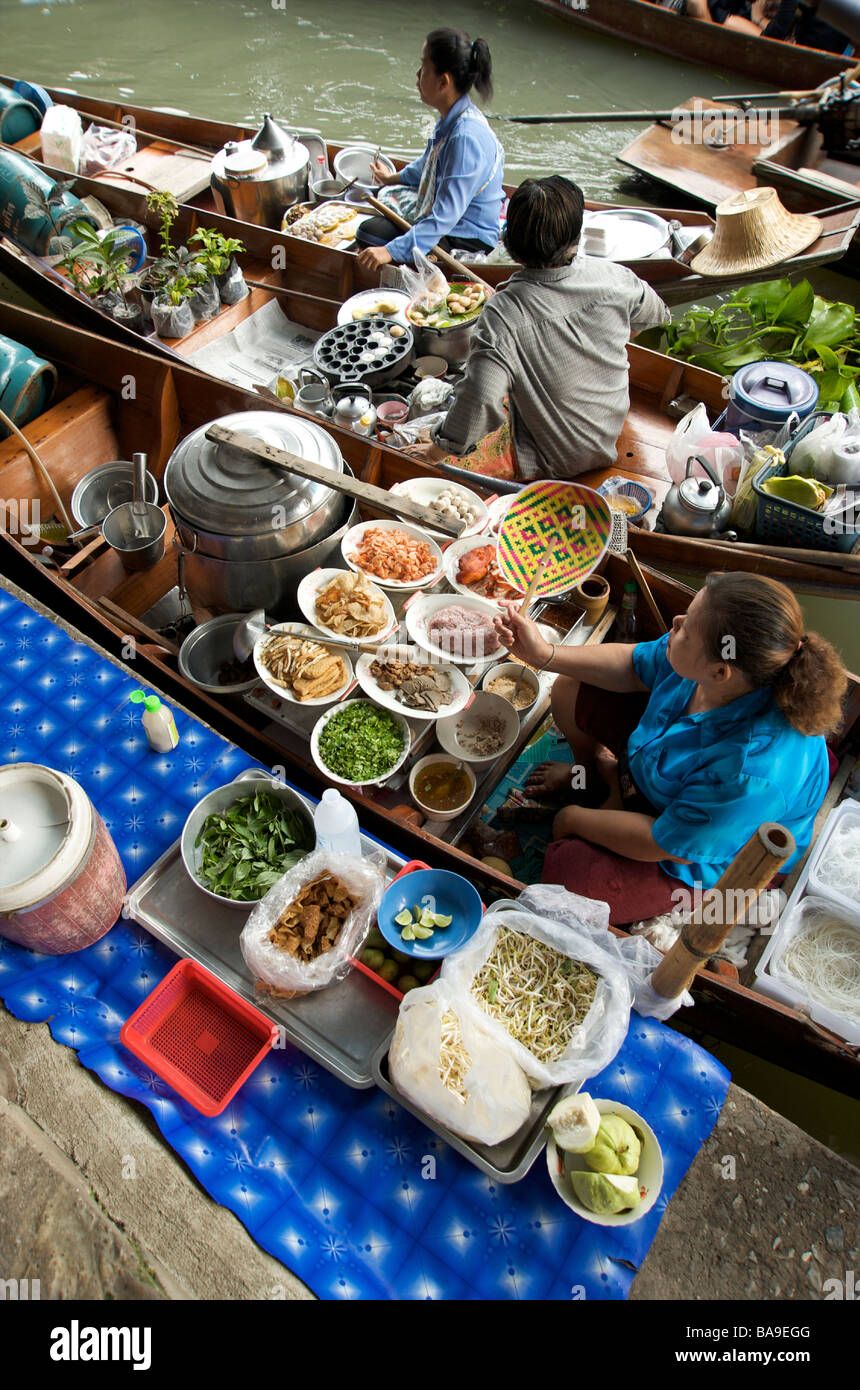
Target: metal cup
[(135, 530)]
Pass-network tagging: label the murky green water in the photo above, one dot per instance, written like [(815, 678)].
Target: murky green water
[(348, 68)]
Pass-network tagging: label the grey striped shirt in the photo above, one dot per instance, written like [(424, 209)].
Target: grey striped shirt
[(554, 342)]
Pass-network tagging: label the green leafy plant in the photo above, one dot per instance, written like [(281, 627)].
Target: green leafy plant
[(96, 264), (166, 209), (51, 207), (217, 250), (774, 321), (178, 289)]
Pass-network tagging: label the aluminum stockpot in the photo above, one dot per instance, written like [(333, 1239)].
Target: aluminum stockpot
[(451, 344), (257, 180)]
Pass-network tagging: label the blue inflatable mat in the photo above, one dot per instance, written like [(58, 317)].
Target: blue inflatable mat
[(344, 1187)]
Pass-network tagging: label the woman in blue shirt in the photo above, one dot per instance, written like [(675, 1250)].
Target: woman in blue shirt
[(453, 193), (684, 746)]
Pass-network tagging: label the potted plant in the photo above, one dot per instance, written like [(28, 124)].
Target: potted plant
[(172, 316), (53, 208), (203, 298), (98, 267), (218, 252)]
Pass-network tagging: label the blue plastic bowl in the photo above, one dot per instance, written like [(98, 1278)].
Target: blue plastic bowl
[(635, 491), (452, 896)]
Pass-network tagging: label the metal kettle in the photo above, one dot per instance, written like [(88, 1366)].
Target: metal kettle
[(697, 506), (353, 408)]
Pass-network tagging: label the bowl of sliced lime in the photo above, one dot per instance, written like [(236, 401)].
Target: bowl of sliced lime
[(430, 913)]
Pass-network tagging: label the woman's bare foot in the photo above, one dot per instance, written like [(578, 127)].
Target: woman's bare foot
[(606, 765), (550, 780)]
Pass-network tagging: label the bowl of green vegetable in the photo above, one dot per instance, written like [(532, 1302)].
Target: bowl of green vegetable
[(358, 743), (241, 838)]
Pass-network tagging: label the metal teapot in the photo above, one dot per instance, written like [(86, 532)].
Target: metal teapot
[(353, 408), (696, 506)]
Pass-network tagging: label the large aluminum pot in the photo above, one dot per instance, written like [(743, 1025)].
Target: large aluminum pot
[(228, 505), (257, 180), (450, 343)]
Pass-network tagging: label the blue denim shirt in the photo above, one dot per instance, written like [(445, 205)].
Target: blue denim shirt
[(715, 777), (468, 199)]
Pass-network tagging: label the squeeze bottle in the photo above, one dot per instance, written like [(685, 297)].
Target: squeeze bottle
[(336, 825), (158, 722)]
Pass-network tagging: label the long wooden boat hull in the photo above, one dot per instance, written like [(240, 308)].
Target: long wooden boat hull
[(95, 418), (713, 45), (670, 276)]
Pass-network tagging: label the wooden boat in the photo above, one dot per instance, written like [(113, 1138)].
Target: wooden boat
[(160, 163), (95, 418), (693, 41)]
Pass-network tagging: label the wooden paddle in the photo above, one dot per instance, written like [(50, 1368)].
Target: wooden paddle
[(359, 491), (444, 256)]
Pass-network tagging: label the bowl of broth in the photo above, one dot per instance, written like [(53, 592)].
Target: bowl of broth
[(441, 788)]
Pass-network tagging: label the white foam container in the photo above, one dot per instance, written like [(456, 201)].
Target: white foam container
[(846, 814)]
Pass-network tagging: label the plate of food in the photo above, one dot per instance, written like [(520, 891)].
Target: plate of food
[(472, 567), (327, 224), (295, 665), (359, 744), (455, 628), (401, 678), (391, 304), (392, 554), (449, 501), (344, 603)]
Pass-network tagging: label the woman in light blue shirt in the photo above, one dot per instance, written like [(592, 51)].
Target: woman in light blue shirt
[(684, 746), (453, 194)]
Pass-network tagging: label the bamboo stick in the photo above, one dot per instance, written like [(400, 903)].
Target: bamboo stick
[(444, 256), (293, 294), (41, 470), (750, 871), (646, 589)]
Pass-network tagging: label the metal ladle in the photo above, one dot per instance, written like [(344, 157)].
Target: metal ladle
[(246, 633)]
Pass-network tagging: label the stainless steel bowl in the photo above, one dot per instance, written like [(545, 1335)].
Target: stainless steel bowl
[(89, 500), (220, 800), (207, 649)]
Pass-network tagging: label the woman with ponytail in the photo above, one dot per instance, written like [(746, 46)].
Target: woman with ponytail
[(684, 746), (453, 194)]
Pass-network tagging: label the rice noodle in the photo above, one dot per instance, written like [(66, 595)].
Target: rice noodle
[(540, 995), (825, 956), (453, 1057), (839, 866)]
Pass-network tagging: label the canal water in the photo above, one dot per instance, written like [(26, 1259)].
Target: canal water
[(348, 68)]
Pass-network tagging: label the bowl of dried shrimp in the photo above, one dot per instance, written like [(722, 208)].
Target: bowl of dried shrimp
[(296, 666), (392, 554)]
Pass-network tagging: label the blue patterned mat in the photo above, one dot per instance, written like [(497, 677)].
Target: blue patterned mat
[(335, 1183)]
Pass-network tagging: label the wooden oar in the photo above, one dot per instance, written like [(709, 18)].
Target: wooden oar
[(444, 256), (750, 871), (294, 294), (41, 470), (339, 482), (830, 559), (678, 113)]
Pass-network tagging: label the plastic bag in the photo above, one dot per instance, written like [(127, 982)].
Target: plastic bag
[(61, 137), (205, 301), (491, 1098), (760, 450), (426, 284), (274, 966), (598, 1037), (104, 148), (693, 435), (417, 431), (428, 396)]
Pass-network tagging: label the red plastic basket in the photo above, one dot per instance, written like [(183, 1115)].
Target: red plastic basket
[(199, 1036)]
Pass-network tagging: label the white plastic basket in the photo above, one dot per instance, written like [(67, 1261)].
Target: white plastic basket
[(776, 983), (845, 815)]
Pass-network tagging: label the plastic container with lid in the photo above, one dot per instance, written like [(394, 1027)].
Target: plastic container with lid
[(763, 395), (158, 722)]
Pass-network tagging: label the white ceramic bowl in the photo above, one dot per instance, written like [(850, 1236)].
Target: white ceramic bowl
[(425, 606), (429, 811), (461, 690), (300, 630), (426, 490), (650, 1175), (366, 300), (352, 540), (512, 669), (485, 705), (315, 582), (452, 557), (367, 781)]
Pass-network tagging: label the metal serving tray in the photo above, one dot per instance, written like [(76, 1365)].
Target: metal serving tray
[(341, 1027), (507, 1162)]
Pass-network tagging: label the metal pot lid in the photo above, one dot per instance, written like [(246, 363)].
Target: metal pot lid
[(219, 489), (624, 234), (699, 494), (244, 161), (774, 386)]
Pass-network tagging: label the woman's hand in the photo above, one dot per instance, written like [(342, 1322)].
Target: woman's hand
[(522, 637), (427, 453), (382, 174), (373, 257)]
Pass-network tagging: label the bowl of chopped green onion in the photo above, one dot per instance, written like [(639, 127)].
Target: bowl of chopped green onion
[(358, 743), (241, 838)]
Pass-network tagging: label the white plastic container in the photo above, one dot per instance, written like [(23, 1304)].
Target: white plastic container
[(846, 815), (336, 824), (773, 980), (61, 137), (158, 722)]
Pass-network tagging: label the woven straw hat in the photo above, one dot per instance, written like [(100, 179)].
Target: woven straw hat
[(753, 231)]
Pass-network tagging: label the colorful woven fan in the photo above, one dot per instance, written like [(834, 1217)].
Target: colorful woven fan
[(576, 515)]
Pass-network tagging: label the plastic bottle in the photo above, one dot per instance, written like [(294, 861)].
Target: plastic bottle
[(626, 626), (336, 824), (158, 722)]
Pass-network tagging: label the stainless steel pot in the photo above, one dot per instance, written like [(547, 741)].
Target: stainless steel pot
[(451, 343), (257, 180), (232, 506)]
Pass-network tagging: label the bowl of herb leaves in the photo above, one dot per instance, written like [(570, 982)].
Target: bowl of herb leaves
[(241, 838), (359, 743)]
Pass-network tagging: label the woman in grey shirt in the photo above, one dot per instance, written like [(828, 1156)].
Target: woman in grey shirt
[(553, 342)]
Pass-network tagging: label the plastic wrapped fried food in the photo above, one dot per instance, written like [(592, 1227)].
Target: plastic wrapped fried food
[(351, 606)]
